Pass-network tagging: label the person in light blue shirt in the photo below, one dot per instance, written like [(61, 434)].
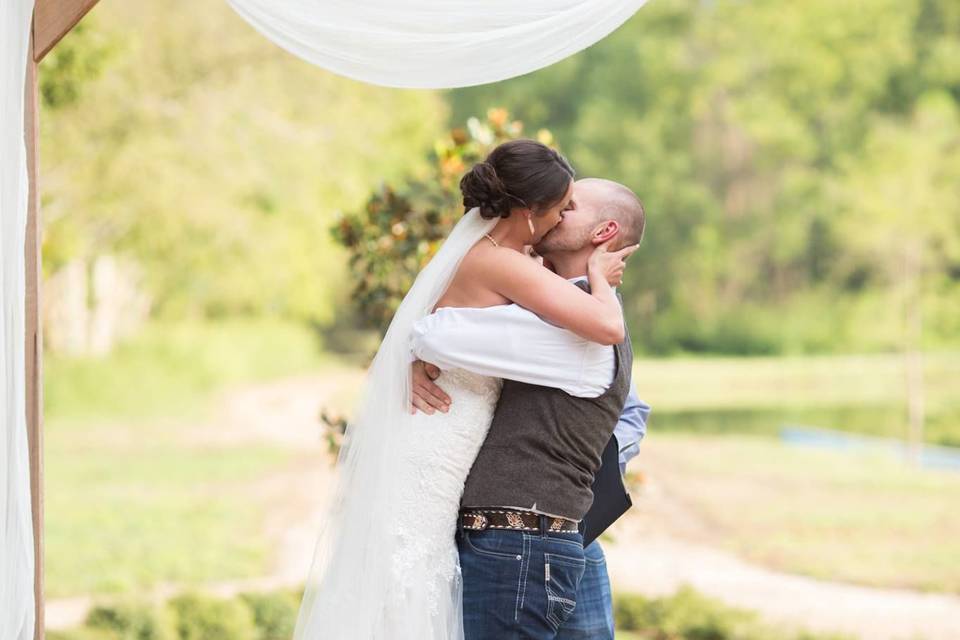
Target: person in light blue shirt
[(592, 618), (631, 428)]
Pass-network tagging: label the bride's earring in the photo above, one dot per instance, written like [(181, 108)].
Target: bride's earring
[(533, 232)]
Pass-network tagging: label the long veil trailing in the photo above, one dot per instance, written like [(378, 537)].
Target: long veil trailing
[(351, 589)]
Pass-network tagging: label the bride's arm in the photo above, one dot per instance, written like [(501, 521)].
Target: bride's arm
[(594, 316)]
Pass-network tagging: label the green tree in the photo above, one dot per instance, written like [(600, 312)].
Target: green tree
[(734, 122), (215, 159)]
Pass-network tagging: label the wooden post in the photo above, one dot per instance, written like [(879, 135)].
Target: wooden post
[(34, 344), (52, 20)]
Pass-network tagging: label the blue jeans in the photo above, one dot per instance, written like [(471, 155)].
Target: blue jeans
[(518, 584), (593, 617)]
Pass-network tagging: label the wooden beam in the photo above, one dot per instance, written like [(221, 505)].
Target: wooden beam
[(53, 19), (33, 353)]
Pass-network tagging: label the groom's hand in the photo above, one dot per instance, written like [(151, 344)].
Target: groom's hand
[(427, 396)]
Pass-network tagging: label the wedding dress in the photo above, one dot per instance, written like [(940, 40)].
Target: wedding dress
[(436, 460), (386, 565)]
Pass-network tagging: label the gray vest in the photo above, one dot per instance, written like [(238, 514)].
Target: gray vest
[(544, 445)]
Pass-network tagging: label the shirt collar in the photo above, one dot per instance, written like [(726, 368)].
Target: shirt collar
[(579, 278)]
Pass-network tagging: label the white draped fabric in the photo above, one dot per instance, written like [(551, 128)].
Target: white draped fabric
[(395, 43), (16, 519), (434, 43)]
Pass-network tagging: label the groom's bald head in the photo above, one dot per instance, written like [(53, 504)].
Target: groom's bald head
[(600, 209), (617, 202)]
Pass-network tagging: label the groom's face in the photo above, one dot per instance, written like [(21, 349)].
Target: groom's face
[(578, 224)]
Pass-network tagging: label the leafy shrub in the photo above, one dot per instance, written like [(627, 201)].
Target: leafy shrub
[(274, 614), (201, 617), (82, 633), (132, 620), (689, 615)]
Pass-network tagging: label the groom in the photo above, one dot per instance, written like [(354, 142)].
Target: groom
[(525, 571)]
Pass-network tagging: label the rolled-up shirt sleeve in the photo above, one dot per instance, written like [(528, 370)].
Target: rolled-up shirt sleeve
[(508, 341), (631, 427)]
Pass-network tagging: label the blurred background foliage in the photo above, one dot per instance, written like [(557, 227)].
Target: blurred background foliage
[(214, 159), (260, 615), (797, 204), (793, 161)]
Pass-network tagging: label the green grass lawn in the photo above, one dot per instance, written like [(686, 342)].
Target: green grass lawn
[(126, 503), (869, 519), (123, 516), (170, 370)]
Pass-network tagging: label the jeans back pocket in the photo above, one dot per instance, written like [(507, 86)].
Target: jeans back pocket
[(562, 576)]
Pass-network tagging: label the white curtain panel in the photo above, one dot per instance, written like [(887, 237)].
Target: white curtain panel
[(394, 43), (431, 44), (16, 523)]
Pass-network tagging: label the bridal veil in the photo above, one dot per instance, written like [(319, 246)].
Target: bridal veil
[(350, 592)]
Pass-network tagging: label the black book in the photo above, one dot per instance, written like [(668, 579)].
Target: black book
[(610, 497)]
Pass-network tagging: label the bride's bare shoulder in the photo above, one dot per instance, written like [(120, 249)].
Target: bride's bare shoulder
[(478, 255), (476, 260), (472, 285), (485, 259), (484, 254)]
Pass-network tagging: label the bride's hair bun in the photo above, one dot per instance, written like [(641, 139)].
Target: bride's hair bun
[(516, 174), (482, 187)]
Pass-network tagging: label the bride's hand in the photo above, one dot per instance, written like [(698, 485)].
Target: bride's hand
[(610, 264)]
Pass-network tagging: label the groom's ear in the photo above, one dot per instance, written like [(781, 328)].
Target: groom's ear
[(605, 231)]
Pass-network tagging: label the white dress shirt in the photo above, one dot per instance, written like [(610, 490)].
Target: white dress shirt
[(511, 342)]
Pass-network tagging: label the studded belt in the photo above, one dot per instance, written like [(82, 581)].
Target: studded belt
[(480, 519)]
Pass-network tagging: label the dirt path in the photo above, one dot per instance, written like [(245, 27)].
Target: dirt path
[(658, 548)]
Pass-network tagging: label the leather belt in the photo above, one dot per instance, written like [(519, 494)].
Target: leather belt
[(480, 519)]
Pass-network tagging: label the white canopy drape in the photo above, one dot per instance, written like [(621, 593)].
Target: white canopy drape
[(16, 519), (434, 43), (394, 43)]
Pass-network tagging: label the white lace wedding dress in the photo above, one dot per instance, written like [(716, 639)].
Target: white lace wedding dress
[(437, 459), (386, 565)]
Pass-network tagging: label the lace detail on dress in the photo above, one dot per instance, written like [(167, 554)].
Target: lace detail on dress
[(438, 455)]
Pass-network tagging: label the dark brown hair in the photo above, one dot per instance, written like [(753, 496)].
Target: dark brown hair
[(517, 173)]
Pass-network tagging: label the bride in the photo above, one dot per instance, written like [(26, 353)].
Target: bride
[(386, 565)]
